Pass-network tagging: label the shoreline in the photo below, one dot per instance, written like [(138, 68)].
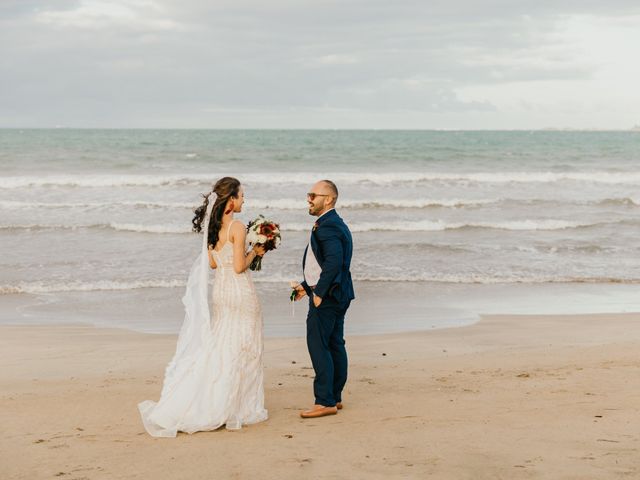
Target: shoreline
[(425, 306), (512, 396), (99, 329)]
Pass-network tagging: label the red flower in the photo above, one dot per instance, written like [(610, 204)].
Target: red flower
[(266, 229)]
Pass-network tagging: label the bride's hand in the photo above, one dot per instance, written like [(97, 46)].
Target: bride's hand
[(259, 249)]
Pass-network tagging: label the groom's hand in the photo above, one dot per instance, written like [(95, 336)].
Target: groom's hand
[(317, 300), (299, 292)]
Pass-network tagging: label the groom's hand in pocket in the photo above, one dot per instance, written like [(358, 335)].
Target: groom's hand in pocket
[(317, 301)]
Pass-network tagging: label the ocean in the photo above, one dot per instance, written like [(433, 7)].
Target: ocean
[(95, 225)]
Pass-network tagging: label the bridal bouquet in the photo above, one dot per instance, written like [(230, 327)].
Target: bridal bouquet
[(262, 232)]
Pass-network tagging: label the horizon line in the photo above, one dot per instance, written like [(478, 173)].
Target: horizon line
[(635, 128)]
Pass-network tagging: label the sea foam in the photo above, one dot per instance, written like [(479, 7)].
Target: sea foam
[(343, 178)]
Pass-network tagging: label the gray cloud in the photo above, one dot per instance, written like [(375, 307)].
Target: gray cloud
[(144, 62)]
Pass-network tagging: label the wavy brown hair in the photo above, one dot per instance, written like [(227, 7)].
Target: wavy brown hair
[(225, 188)]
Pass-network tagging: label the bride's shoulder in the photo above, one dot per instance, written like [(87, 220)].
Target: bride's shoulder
[(237, 228)]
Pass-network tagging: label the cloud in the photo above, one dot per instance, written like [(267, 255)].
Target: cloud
[(334, 59), (96, 14), (144, 62)]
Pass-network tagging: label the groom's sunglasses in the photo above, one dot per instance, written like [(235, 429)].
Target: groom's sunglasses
[(312, 196)]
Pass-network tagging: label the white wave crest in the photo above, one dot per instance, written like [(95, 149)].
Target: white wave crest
[(628, 201), (405, 226), (342, 178), (497, 279), (625, 178), (297, 203), (530, 225), (99, 180), (300, 204), (124, 227), (136, 227), (42, 287), (275, 204), (439, 225), (113, 285), (13, 205), (37, 226)]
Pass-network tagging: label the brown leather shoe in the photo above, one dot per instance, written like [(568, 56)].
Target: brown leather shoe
[(339, 405), (319, 411)]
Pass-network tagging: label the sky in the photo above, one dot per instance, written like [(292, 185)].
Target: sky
[(454, 64)]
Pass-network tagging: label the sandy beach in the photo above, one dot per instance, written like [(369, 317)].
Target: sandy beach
[(508, 397)]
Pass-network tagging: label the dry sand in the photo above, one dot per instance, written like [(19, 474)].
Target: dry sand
[(510, 397)]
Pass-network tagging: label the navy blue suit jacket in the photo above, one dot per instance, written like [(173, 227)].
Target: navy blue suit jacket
[(332, 245)]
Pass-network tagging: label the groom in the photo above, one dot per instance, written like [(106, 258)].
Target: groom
[(327, 282)]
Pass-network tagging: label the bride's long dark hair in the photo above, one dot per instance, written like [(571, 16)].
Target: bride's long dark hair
[(225, 188)]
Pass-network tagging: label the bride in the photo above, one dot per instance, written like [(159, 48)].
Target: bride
[(215, 377)]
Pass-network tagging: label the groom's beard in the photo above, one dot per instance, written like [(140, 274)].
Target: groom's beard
[(313, 210)]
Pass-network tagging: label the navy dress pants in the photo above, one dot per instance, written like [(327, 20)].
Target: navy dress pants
[(325, 341)]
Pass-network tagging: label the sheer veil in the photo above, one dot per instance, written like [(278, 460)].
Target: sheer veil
[(196, 328)]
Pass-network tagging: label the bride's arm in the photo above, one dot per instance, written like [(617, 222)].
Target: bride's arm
[(212, 262), (242, 259)]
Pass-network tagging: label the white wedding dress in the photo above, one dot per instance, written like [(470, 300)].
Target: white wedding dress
[(216, 375)]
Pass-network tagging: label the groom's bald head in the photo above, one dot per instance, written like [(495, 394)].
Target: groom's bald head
[(331, 188)]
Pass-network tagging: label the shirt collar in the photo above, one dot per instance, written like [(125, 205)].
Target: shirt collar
[(325, 213)]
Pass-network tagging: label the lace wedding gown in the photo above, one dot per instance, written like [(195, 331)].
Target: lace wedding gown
[(216, 375)]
